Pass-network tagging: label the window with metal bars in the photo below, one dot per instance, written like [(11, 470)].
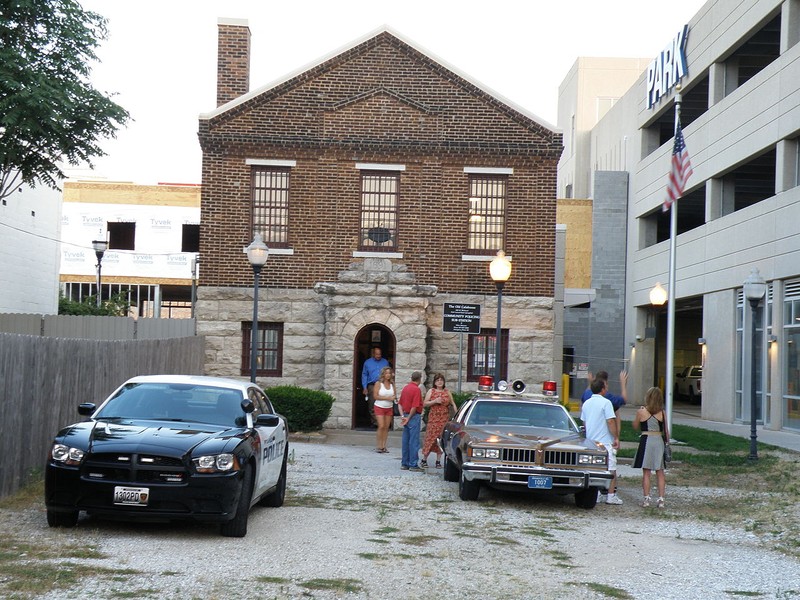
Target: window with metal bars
[(269, 353), (270, 198), (380, 194), (481, 350), (487, 213)]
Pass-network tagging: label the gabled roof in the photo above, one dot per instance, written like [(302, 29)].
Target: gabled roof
[(458, 76)]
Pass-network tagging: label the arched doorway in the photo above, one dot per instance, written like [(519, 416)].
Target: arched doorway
[(367, 338)]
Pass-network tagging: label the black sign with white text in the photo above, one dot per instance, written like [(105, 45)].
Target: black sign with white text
[(461, 318)]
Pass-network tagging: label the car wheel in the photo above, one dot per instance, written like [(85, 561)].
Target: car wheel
[(237, 527), (586, 498), (450, 472), (62, 519), (468, 490), (275, 498)]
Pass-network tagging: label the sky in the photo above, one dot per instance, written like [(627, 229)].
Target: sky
[(159, 60)]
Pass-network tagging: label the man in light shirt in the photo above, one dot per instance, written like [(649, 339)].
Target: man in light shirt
[(598, 417)]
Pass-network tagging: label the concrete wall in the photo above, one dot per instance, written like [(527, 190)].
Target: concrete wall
[(30, 226)]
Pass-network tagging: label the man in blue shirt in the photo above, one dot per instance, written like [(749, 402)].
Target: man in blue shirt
[(369, 375), (616, 401)]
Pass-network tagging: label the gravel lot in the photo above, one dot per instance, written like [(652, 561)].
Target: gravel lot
[(354, 525)]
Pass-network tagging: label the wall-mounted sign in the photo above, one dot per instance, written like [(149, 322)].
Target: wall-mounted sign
[(667, 69), (461, 318)]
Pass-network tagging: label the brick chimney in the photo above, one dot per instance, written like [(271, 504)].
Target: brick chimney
[(233, 59)]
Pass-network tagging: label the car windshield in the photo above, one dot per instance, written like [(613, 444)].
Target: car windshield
[(519, 414), (697, 372), (175, 402)]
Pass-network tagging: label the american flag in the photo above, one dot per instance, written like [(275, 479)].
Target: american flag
[(681, 169)]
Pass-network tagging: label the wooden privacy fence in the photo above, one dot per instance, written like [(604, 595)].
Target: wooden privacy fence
[(96, 328), (43, 379)]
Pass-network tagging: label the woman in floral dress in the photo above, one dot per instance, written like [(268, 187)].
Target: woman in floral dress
[(439, 400)]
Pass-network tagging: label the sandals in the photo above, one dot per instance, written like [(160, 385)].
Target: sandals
[(381, 450)]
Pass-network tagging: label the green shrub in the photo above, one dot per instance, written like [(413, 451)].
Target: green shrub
[(460, 397), (304, 409)]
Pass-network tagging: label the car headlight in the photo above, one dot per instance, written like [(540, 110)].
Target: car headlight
[(65, 454), (592, 459), (486, 452), (216, 463)]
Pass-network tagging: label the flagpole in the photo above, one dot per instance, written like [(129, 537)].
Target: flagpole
[(673, 228)]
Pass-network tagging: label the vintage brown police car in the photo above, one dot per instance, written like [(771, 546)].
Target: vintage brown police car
[(522, 441)]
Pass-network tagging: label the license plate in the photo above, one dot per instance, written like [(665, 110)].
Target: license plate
[(540, 483), (131, 495)]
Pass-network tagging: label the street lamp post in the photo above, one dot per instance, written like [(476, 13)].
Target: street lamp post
[(754, 289), (257, 253), (500, 271), (100, 247)]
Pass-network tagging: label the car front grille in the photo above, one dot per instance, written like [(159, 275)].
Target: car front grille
[(555, 457), (519, 455), (133, 468), (551, 457)]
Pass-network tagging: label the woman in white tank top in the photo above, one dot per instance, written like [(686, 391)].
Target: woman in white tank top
[(385, 395)]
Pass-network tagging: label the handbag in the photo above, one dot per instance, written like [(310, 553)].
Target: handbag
[(667, 447), (395, 410)]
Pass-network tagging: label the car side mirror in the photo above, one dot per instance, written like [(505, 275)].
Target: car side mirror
[(247, 405), (87, 409), (268, 421)]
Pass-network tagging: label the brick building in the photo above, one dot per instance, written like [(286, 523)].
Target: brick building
[(383, 183)]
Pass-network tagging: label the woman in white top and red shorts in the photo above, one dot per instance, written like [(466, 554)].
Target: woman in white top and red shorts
[(385, 395)]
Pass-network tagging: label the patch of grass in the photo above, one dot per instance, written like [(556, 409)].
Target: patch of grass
[(14, 549), (31, 492), (562, 559), (140, 593), (607, 590), (501, 540), (269, 579), (536, 532), (350, 586), (377, 541), (32, 569), (419, 540), (371, 555), (744, 593), (169, 573), (385, 530)]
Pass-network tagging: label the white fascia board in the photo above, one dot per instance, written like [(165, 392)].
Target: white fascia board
[(489, 170), (268, 162), (379, 167), (482, 257)]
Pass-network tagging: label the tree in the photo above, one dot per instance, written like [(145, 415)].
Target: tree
[(49, 112), (117, 305)]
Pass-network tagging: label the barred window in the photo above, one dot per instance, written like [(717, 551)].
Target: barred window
[(481, 350), (487, 213), (270, 192), (380, 193), (269, 351)]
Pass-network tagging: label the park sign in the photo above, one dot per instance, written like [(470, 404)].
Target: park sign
[(461, 318), (667, 69)]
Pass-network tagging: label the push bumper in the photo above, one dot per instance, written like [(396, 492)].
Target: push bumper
[(563, 479), (208, 498)]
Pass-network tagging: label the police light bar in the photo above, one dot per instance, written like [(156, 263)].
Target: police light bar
[(549, 388), (485, 383)]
